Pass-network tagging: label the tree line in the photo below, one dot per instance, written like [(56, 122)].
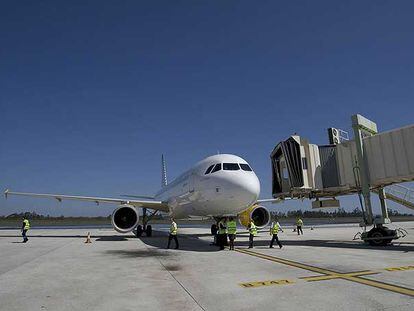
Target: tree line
[(340, 212)]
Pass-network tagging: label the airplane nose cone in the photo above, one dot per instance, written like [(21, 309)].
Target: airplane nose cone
[(252, 188), (247, 189)]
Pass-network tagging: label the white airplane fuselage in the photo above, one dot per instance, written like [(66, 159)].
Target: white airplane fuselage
[(226, 190)]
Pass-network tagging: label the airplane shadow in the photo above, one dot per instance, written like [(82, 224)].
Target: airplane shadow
[(97, 237), (187, 242), (113, 238), (158, 240)]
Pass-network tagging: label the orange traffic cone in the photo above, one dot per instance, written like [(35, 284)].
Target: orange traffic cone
[(88, 238)]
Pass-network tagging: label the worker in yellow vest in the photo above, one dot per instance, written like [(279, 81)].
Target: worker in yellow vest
[(274, 230), (173, 233), (222, 233), (299, 224), (231, 231), (253, 232), (25, 228)]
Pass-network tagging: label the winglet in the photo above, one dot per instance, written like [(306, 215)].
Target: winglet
[(6, 192)]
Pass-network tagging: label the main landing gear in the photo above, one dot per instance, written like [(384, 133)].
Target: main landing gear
[(145, 228)]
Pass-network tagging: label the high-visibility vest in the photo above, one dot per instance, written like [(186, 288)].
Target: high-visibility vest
[(26, 224), (253, 229), (173, 228), (299, 222), (222, 228), (275, 228), (231, 227)]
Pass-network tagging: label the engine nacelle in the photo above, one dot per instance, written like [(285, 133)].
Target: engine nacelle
[(259, 214), (125, 218)]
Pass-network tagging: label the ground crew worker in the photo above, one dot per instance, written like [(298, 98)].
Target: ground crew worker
[(231, 231), (299, 224), (222, 233), (173, 234), (274, 230), (253, 232), (25, 228)]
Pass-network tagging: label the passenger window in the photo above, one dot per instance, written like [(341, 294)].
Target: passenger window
[(230, 166), (245, 167), (216, 168), (209, 169)]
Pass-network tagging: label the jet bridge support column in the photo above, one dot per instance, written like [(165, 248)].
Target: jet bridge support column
[(384, 210), (363, 127)]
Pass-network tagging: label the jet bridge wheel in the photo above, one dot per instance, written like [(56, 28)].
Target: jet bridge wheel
[(379, 236)]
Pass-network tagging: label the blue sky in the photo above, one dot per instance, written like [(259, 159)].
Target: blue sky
[(92, 92)]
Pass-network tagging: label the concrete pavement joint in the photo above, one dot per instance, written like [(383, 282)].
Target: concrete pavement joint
[(178, 282)]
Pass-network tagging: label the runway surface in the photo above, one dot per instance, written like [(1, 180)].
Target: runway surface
[(322, 270)]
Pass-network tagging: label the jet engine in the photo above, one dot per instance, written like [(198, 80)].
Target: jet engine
[(259, 214), (125, 218)]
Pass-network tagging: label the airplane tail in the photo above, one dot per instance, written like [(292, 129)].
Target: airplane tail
[(164, 180)]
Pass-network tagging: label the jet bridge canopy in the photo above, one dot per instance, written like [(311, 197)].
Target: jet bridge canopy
[(287, 165)]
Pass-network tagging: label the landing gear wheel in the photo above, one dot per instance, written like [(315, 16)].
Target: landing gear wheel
[(148, 231), (213, 229), (139, 231)]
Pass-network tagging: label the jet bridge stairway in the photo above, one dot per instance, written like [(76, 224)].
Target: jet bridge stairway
[(400, 194)]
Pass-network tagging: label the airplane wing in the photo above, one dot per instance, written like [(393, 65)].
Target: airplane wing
[(155, 205), (135, 196), (278, 200)]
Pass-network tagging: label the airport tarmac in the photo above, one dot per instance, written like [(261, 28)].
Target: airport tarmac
[(322, 270)]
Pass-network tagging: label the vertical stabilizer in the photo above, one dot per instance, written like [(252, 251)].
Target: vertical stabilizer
[(164, 180)]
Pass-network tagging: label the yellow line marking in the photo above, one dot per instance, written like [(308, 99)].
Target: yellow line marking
[(400, 268), (382, 285), (337, 276), (266, 283), (287, 262), (330, 274)]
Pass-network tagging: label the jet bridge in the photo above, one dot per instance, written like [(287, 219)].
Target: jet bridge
[(368, 163)]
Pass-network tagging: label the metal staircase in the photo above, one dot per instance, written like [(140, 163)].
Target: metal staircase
[(401, 195)]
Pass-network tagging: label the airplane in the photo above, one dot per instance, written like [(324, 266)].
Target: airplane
[(218, 186)]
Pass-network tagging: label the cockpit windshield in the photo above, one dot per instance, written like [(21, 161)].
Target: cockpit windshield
[(231, 166), (245, 167), (227, 167), (216, 168), (209, 169)]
